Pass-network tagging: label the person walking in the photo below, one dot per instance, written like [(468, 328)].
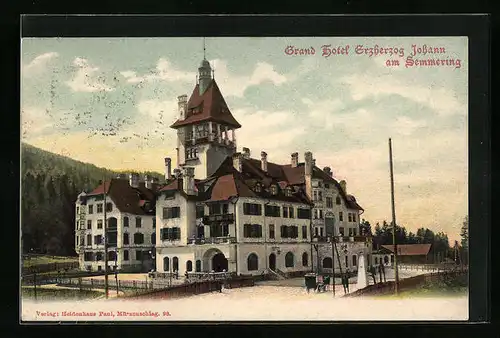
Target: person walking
[(383, 272), (380, 272), (373, 272)]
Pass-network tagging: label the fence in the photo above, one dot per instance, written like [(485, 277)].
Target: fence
[(410, 283), (55, 278), (431, 267), (40, 268)]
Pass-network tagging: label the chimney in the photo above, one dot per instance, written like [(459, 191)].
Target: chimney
[(343, 185), (313, 162), (188, 181), (148, 182), (182, 106), (246, 152), (295, 160), (177, 173), (168, 168), (134, 180), (309, 162), (263, 161), (328, 171), (237, 164)]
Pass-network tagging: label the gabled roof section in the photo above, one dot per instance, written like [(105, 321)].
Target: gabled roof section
[(211, 106), (126, 198), (410, 249)]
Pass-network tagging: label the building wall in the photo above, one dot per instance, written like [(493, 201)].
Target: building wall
[(353, 249)]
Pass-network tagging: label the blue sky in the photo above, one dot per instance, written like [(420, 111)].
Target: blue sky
[(110, 102)]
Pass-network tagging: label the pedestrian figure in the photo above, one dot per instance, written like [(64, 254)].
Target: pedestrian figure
[(220, 286), (347, 280), (383, 272), (344, 285), (380, 272), (372, 271)]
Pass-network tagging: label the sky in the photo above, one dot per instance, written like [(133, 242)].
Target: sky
[(110, 101)]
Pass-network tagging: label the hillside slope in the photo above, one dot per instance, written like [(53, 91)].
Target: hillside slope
[(50, 184)]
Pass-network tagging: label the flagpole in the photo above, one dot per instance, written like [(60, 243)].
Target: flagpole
[(395, 247), (106, 289)]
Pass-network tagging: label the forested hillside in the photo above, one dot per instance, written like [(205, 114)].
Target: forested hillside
[(50, 184)]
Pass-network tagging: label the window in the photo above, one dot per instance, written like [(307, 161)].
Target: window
[(315, 195), (353, 217), (153, 238), (354, 260), (315, 213), (77, 210), (341, 231), (166, 264), (337, 200), (354, 231), (200, 211), (173, 212), (327, 186), (303, 213), (139, 255), (125, 255), (349, 217), (82, 224), (271, 230), (198, 265), (329, 202), (272, 211), (88, 256), (252, 230), (320, 195), (304, 232), (257, 188), (138, 238), (289, 260), (99, 208), (89, 224), (225, 208), (154, 222), (320, 214), (189, 266), (288, 191), (175, 264), (274, 189), (112, 255), (305, 259), (316, 232), (252, 262), (321, 232), (98, 256), (285, 212), (91, 208), (138, 222), (350, 232), (252, 209), (82, 240), (341, 216), (89, 239), (289, 231), (99, 268), (109, 207), (125, 239), (125, 221), (170, 234), (327, 263), (98, 239), (99, 224), (376, 260)]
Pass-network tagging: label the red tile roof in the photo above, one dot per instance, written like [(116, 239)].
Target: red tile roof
[(213, 108), (410, 249)]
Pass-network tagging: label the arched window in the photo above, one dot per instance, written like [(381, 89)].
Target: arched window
[(125, 239), (386, 259), (166, 264), (175, 264), (153, 238), (189, 266), (305, 259), (198, 266), (354, 260), (252, 262), (289, 260), (327, 263)]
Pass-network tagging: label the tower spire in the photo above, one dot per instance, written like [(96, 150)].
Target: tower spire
[(204, 49)]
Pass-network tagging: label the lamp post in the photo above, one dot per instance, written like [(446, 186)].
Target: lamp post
[(396, 274), (106, 287)]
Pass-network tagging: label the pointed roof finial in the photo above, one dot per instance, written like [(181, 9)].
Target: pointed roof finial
[(204, 50)]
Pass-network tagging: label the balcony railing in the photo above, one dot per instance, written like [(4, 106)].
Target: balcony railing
[(212, 240), (218, 218), (341, 239)]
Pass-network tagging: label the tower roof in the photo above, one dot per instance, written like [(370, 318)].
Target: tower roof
[(210, 106)]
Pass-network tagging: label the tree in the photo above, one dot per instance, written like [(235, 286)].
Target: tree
[(365, 228), (464, 233)]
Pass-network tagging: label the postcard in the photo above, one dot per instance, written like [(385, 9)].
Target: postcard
[(244, 179)]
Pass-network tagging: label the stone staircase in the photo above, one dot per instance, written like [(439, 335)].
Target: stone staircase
[(275, 274)]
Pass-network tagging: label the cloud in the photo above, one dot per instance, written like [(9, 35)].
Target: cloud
[(34, 121), (235, 85), (443, 100), (164, 71), (39, 62), (406, 126), (84, 80)]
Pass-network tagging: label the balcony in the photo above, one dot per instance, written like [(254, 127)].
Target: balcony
[(227, 218), (212, 240)]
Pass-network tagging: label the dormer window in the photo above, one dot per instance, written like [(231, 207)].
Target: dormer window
[(288, 191), (258, 187), (274, 189)]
